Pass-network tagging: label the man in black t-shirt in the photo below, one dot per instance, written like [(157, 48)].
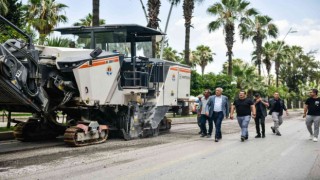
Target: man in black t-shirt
[(244, 107), (312, 106)]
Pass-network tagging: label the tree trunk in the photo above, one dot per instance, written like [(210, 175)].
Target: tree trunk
[(42, 38), (188, 6), (95, 12), (153, 12), (202, 70), (154, 47), (229, 29), (186, 47), (296, 103), (277, 66), (9, 120), (258, 51), (289, 104)]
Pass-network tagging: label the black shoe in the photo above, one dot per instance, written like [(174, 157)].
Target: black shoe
[(273, 130), (203, 135), (242, 138), (278, 134), (209, 136), (246, 138), (263, 136), (258, 136), (200, 132), (216, 140)]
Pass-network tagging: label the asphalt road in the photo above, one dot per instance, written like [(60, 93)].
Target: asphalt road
[(182, 154)]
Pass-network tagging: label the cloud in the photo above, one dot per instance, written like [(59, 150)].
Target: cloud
[(307, 36)]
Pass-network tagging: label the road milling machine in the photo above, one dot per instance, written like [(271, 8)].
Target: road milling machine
[(102, 85)]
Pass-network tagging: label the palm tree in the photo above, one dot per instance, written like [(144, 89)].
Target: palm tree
[(3, 7), (87, 21), (228, 12), (95, 12), (278, 57), (268, 54), (193, 61), (44, 15), (171, 54), (153, 13), (57, 42), (188, 7), (258, 29), (203, 56), (247, 79)]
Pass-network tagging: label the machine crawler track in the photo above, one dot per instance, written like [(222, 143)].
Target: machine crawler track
[(34, 131), (71, 137)]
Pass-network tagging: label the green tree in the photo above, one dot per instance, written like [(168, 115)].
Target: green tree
[(44, 15), (87, 21), (211, 81), (279, 58), (14, 16), (95, 12), (193, 61), (258, 29), (4, 7), (229, 12), (202, 56), (188, 7), (153, 13), (245, 77), (268, 54), (57, 42), (171, 54)]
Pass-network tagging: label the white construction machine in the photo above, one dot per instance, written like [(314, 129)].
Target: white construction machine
[(105, 87)]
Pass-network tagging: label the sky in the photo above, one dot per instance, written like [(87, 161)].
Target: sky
[(301, 15)]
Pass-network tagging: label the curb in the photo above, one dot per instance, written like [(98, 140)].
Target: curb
[(6, 135)]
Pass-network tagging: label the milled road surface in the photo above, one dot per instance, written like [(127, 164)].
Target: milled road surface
[(181, 154)]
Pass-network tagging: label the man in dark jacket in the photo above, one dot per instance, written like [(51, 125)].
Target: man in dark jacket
[(261, 113), (276, 110)]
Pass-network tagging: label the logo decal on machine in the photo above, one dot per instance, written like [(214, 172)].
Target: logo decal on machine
[(173, 77), (109, 70)]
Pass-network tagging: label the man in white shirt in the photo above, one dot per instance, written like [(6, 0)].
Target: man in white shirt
[(217, 108)]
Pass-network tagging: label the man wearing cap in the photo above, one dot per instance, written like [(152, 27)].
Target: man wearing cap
[(217, 108), (261, 113), (312, 106)]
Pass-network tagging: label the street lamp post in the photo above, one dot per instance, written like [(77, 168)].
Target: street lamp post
[(277, 52)]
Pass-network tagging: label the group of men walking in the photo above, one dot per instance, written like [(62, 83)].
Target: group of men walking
[(214, 108)]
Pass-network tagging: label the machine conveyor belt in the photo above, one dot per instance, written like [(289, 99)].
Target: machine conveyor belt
[(12, 96)]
